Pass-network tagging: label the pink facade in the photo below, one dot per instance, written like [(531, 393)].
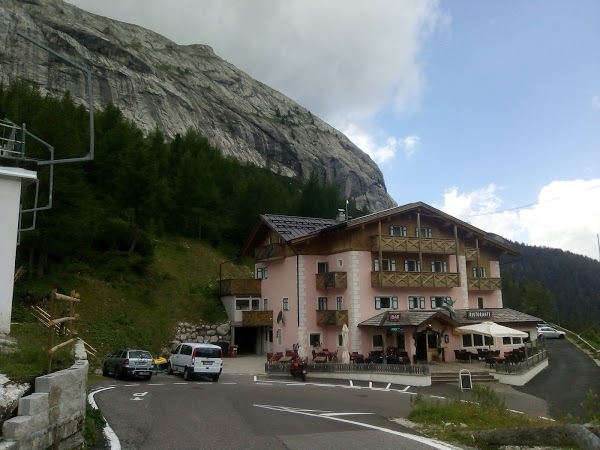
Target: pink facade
[(424, 319)]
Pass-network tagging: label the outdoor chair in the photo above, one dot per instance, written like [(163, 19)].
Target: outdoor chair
[(404, 358), (359, 359), (392, 359), (376, 357), (462, 355)]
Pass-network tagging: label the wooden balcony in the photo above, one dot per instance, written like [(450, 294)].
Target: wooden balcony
[(270, 251), (414, 279), (411, 245), (332, 280), (257, 318), (248, 286), (332, 317), (484, 284), (471, 253)]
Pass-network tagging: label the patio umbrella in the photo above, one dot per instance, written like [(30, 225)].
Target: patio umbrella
[(491, 329), (345, 353)]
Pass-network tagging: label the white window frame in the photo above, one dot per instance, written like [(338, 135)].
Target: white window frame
[(311, 340), (398, 230), (479, 272), (262, 273), (377, 347), (388, 265), (408, 263), (508, 340), (426, 232), (439, 266), (436, 298), (486, 341), (285, 303), (322, 303), (393, 302), (322, 265), (339, 303)]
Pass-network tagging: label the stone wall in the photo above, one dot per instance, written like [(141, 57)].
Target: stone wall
[(54, 415), (187, 332)]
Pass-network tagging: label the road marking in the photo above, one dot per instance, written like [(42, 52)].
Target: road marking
[(388, 386), (435, 444), (180, 383), (515, 411), (113, 440), (547, 418), (345, 414), (228, 383), (438, 396), (156, 384), (131, 385)]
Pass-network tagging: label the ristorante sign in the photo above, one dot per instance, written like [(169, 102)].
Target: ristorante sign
[(479, 314)]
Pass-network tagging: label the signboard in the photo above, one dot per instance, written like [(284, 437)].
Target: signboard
[(464, 380), (479, 314), (396, 329), (393, 317)]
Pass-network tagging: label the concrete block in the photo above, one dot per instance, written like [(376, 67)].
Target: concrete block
[(33, 404), (22, 427)]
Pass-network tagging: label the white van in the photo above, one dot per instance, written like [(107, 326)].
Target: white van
[(194, 360)]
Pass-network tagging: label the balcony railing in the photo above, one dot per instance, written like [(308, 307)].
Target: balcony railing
[(332, 280), (471, 253), (411, 245), (332, 317), (485, 284), (248, 286), (414, 279), (257, 318), (269, 251)]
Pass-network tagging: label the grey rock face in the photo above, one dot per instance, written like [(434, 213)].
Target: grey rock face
[(159, 84)]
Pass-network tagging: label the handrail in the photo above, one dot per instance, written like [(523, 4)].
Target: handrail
[(594, 349)]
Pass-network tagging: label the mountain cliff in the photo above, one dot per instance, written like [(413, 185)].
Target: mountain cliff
[(160, 84)]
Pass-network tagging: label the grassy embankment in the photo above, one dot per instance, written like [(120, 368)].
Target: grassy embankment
[(121, 309)]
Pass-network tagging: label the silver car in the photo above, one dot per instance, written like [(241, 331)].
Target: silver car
[(549, 332), (127, 362)]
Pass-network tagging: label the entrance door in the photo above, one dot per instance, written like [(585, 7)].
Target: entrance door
[(421, 344)]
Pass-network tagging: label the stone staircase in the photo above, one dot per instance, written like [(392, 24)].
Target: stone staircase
[(452, 377)]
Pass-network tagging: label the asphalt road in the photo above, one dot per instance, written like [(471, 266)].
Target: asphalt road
[(239, 412), (564, 384)]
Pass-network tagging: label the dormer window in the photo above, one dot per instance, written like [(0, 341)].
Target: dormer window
[(423, 232), (398, 230)]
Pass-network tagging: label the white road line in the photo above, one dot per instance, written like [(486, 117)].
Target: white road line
[(438, 396), (435, 444), (388, 385), (263, 383), (180, 383), (345, 414), (547, 418), (156, 384), (113, 440), (130, 385), (515, 411), (228, 383)]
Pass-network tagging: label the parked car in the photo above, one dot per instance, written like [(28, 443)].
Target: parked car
[(128, 362), (193, 360), (549, 332)]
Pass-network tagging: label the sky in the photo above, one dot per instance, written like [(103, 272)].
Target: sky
[(489, 111)]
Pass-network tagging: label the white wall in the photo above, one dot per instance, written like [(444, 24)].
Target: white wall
[(10, 193)]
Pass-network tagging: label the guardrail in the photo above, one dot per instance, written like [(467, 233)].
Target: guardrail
[(333, 367), (523, 366), (578, 336)]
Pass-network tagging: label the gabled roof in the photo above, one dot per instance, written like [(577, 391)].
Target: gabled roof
[(293, 227)]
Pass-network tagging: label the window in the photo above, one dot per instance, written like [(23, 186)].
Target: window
[(338, 303), (423, 232), (397, 230), (284, 304), (476, 340), (412, 265), (507, 340), (416, 302), (245, 304), (439, 266), (479, 272), (255, 304), (315, 339), (377, 342), (386, 302), (322, 267), (265, 304), (322, 303), (388, 265), (480, 302), (270, 335), (340, 341), (437, 302), (261, 273)]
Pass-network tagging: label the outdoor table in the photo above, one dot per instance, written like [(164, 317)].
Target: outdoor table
[(285, 359), (326, 354), (321, 359)]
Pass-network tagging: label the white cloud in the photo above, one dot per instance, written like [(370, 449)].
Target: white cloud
[(410, 144), (567, 215), (345, 60), (380, 150)]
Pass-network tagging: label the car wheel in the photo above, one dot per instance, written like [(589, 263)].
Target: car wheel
[(148, 377), (117, 373), (561, 336), (187, 374), (215, 378), (105, 370), (169, 369)]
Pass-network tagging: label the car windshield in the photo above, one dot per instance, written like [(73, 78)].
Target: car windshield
[(207, 352)]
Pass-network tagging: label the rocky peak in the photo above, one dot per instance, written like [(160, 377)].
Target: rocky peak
[(160, 84)]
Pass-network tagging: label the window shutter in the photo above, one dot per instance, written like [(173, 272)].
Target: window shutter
[(377, 303), (394, 302)]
